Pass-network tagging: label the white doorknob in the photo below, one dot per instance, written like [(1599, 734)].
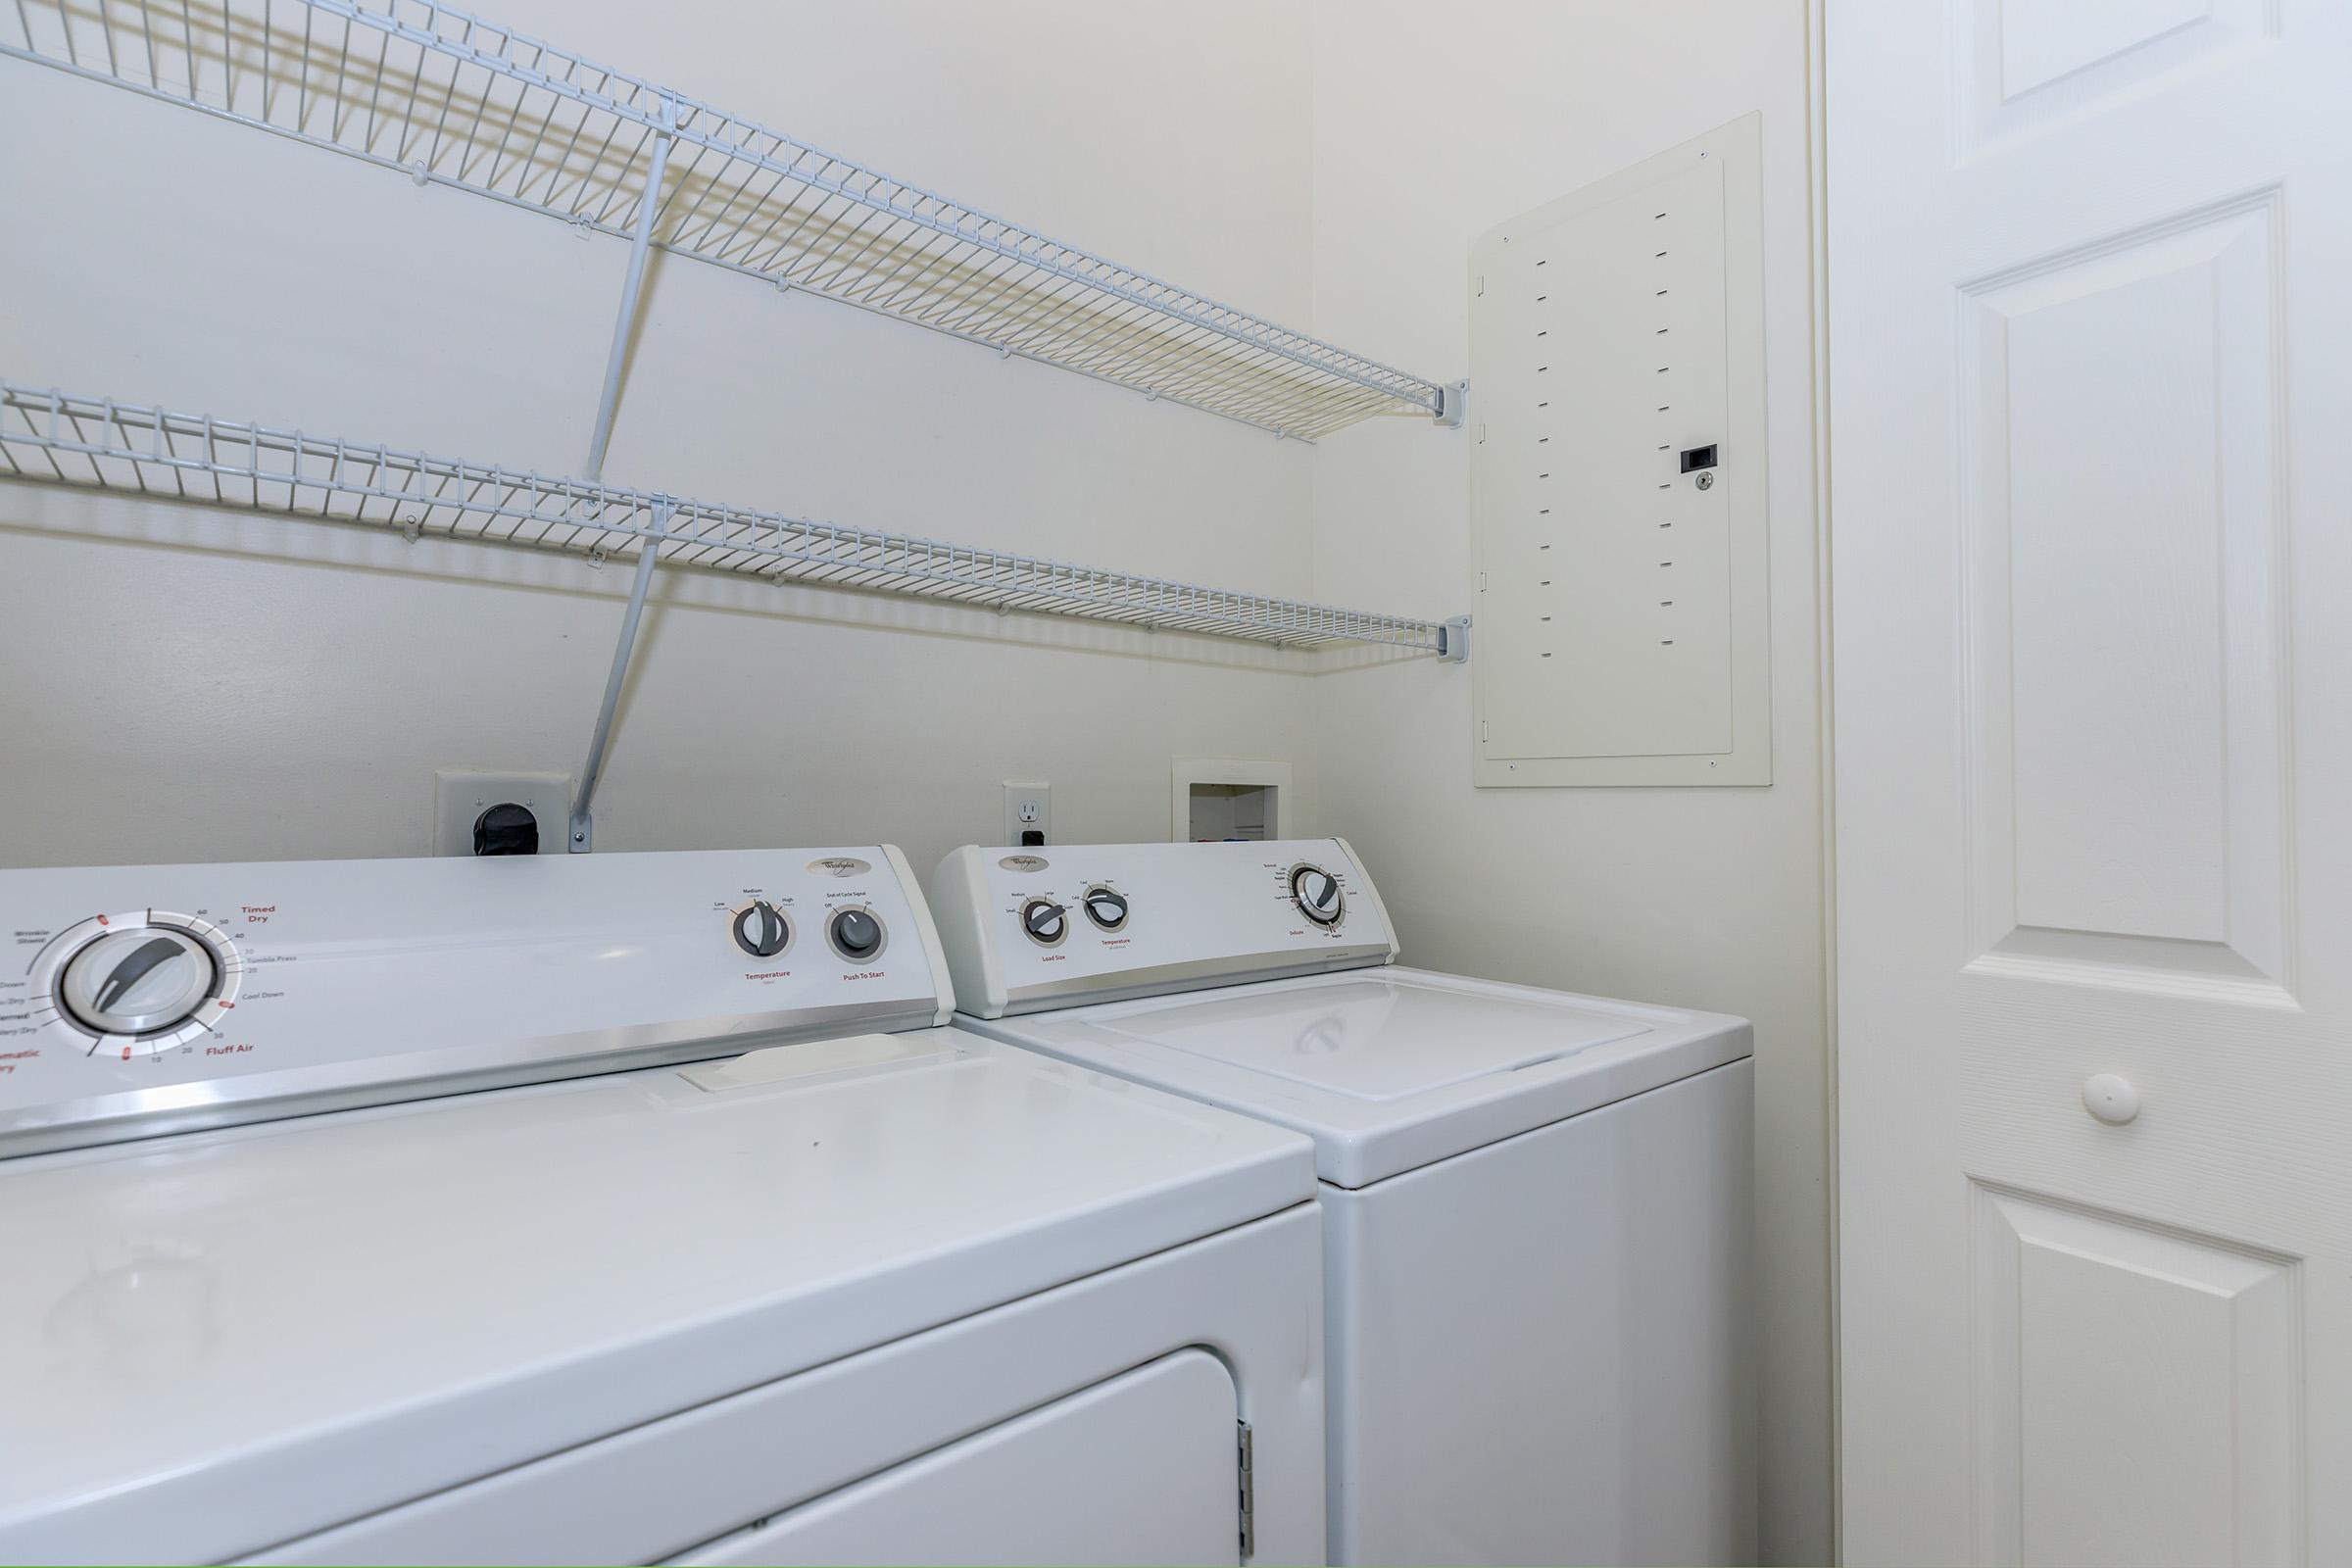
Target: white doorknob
[(2111, 1099)]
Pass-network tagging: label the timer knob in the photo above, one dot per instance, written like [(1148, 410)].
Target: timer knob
[(855, 933), (1045, 921), (1317, 893), (762, 930), (1105, 906), (139, 981)]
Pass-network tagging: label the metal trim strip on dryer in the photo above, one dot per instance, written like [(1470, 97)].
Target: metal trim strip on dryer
[(1197, 974), (348, 1085)]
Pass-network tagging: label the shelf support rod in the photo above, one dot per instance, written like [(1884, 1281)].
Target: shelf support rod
[(581, 838), (641, 244)]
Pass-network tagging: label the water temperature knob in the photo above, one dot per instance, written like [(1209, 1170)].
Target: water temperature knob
[(1107, 906), (762, 930)]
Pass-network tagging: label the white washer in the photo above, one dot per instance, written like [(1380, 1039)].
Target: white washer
[(851, 1297), (1536, 1205)]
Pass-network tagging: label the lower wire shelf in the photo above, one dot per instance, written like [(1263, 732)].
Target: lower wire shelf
[(86, 442)]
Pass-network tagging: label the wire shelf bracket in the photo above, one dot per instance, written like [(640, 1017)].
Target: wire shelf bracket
[(452, 100), (1453, 640)]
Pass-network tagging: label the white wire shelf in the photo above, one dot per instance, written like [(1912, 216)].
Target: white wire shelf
[(96, 443), (452, 100)]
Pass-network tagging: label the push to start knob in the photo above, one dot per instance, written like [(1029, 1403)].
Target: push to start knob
[(855, 933), (138, 982), (1045, 921), (1317, 893), (762, 930)]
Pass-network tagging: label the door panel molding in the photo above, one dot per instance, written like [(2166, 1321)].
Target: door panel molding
[(2136, 1389), (2022, 66), (2123, 624)]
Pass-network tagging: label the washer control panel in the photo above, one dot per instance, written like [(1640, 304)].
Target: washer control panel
[(1029, 929), (137, 1000)]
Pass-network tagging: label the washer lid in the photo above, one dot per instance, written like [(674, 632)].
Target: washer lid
[(1369, 1036), (1390, 1069), (233, 1339)]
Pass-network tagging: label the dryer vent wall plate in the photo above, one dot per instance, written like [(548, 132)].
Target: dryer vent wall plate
[(462, 795), (1617, 487)]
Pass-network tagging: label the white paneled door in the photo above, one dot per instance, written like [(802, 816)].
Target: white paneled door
[(2090, 285)]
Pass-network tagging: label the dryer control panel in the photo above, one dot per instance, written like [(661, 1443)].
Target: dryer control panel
[(1026, 930), (139, 1000)]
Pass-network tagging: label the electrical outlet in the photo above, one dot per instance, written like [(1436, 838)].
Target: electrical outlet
[(1028, 809), (460, 795)]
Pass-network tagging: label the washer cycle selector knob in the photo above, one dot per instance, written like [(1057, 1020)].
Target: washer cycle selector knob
[(139, 981), (1045, 921), (1105, 906), (762, 930), (855, 933), (1317, 893)]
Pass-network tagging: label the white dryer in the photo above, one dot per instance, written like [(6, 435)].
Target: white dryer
[(851, 1297), (1536, 1205)]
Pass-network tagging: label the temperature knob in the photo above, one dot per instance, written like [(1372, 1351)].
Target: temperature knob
[(762, 930), (1105, 906), (1045, 921), (855, 933), (1317, 893), (140, 981)]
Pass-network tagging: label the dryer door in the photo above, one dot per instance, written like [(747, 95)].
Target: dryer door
[(1139, 1468)]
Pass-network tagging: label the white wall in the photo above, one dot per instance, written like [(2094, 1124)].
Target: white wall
[(1433, 123), (199, 698), (189, 685)]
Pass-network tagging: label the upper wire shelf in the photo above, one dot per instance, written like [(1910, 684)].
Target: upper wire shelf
[(453, 100), (97, 443)]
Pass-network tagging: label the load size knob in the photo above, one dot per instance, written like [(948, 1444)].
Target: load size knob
[(855, 933), (762, 930), (1105, 906), (140, 981), (1045, 921), (1317, 893)]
